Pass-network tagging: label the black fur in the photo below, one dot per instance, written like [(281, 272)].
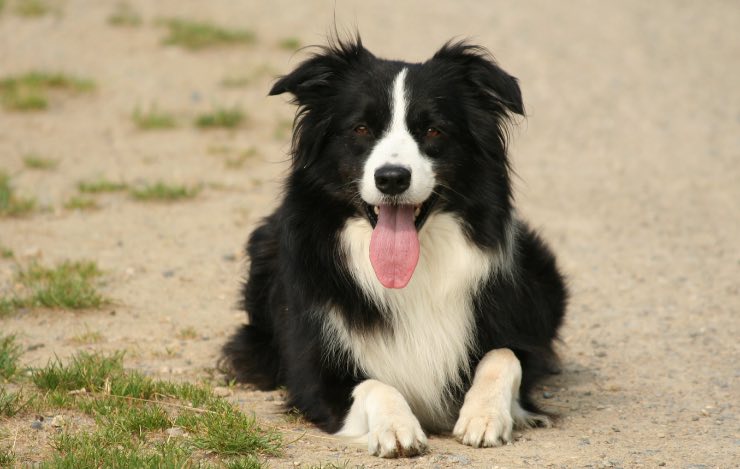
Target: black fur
[(297, 266)]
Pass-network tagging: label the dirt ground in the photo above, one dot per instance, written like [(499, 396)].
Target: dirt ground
[(629, 163)]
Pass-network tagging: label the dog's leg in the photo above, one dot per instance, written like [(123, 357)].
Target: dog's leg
[(491, 406), (380, 412)]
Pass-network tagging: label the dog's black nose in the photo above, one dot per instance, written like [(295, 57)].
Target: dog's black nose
[(392, 180)]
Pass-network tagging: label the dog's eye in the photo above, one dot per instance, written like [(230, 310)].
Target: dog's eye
[(362, 130), (432, 132)]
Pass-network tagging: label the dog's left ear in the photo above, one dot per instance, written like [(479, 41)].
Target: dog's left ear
[(314, 77), (494, 84)]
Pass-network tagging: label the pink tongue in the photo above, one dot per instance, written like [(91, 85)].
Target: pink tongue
[(394, 245)]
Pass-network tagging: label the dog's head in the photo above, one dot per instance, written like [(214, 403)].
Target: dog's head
[(396, 141)]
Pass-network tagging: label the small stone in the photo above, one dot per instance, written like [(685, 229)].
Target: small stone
[(168, 273), (601, 354), (616, 429), (270, 398), (37, 425), (57, 421), (547, 395), (694, 418), (229, 257), (661, 463), (221, 391)]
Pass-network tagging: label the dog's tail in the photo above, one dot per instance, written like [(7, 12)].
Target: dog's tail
[(249, 357)]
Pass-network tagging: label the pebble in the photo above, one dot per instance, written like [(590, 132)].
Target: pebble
[(616, 429), (37, 425), (229, 257), (459, 459), (168, 273), (57, 421), (547, 395)]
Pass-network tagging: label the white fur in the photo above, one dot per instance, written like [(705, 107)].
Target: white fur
[(398, 147), (491, 407), (380, 414), (424, 352)]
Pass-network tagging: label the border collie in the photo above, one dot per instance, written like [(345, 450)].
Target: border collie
[(394, 291)]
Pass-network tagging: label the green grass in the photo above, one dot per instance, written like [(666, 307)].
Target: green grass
[(32, 8), (34, 161), (195, 35), (13, 403), (81, 203), (87, 338), (69, 285), (30, 91), (290, 44), (101, 185), (154, 119), (10, 352), (7, 458), (187, 333), (10, 204), (124, 16), (6, 253), (162, 192), (131, 413), (227, 118)]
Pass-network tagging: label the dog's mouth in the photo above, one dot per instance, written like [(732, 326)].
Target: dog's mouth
[(421, 211), (394, 244)]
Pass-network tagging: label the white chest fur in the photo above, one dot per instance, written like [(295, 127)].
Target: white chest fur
[(424, 353)]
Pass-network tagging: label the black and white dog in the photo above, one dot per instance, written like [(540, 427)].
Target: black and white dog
[(394, 291)]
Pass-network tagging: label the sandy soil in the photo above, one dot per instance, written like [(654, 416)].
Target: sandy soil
[(629, 163)]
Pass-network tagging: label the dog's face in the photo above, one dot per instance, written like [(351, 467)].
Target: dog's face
[(396, 141)]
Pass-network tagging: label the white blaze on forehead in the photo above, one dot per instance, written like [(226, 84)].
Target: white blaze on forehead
[(398, 147)]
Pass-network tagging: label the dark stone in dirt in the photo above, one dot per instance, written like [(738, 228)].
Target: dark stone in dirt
[(37, 425), (547, 395)]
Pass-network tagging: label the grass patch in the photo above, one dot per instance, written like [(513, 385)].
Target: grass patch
[(87, 338), (101, 185), (283, 129), (227, 118), (10, 352), (195, 35), (81, 203), (7, 458), (30, 92), (187, 333), (160, 191), (13, 403), (10, 204), (154, 119), (6, 253), (132, 412), (290, 44), (124, 16), (69, 285), (242, 80), (32, 8), (34, 161)]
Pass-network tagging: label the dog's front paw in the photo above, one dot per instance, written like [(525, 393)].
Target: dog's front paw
[(478, 426), (396, 436)]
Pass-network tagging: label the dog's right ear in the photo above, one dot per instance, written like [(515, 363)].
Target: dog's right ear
[(314, 77)]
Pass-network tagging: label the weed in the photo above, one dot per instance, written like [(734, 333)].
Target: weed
[(7, 458), (228, 432), (243, 462), (101, 185), (161, 191), (290, 43), (6, 253), (30, 91), (195, 35), (154, 119), (68, 286), (87, 338), (34, 161), (10, 352), (124, 15), (81, 203), (32, 8), (187, 333), (222, 117), (13, 403), (10, 205)]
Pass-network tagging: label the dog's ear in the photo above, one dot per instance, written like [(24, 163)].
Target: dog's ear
[(314, 77), (485, 75)]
